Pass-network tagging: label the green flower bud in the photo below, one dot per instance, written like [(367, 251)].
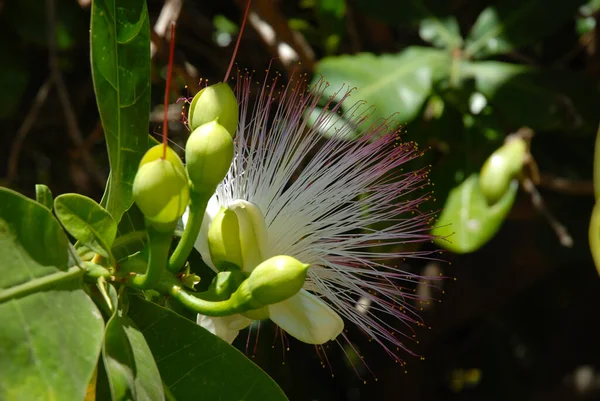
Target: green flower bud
[(215, 102), (208, 154), (500, 168), (160, 188), (224, 241), (276, 279), (238, 236)]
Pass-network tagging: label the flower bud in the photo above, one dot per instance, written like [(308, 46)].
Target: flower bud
[(276, 279), (215, 102), (208, 154), (160, 188), (500, 168), (238, 236)]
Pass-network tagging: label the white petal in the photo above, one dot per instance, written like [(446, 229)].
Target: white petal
[(201, 244), (226, 327), (307, 318)]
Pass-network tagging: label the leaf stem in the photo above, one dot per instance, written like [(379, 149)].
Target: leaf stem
[(159, 243), (198, 202), (40, 283), (239, 302), (129, 238)]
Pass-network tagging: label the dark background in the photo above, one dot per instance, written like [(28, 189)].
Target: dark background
[(519, 321)]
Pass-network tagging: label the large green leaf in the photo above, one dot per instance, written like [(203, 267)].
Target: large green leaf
[(467, 221), (34, 244), (540, 99), (86, 221), (195, 364), (120, 56), (395, 85), (51, 331), (509, 24), (130, 367)]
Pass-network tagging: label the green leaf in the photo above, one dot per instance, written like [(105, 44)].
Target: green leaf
[(467, 221), (33, 242), (540, 99), (510, 24), (87, 221), (441, 32), (194, 363), (43, 195), (120, 56), (51, 330), (396, 85), (50, 344), (130, 366)]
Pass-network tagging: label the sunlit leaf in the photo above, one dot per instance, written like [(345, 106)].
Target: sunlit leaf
[(395, 85), (441, 32), (467, 222), (50, 339), (44, 196), (86, 221), (195, 363), (120, 56)]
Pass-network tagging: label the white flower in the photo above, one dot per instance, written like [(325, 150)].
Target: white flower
[(321, 200)]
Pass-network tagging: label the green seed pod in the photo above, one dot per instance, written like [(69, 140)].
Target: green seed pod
[(208, 154), (215, 103), (501, 168), (160, 188), (276, 279)]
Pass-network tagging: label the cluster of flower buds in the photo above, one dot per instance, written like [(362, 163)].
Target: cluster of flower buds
[(213, 120), (163, 188)]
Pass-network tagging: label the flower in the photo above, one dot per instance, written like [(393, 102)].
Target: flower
[(322, 202)]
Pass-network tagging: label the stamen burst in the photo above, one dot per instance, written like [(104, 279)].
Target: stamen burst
[(324, 200)]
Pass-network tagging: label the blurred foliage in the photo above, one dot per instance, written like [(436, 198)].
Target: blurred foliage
[(457, 76)]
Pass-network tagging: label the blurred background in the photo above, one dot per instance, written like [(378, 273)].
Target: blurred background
[(519, 320)]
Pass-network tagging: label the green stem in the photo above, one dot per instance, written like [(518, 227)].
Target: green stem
[(40, 283), (198, 202), (159, 243), (239, 302), (129, 238)]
